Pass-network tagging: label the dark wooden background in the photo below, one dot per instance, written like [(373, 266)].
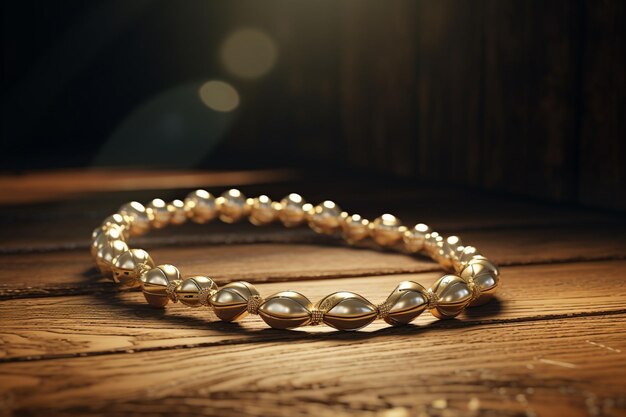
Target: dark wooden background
[(524, 97)]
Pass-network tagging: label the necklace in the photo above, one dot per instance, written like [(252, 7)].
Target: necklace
[(471, 279)]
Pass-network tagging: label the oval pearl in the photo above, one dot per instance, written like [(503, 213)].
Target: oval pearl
[(387, 230), (262, 210), (355, 228), (200, 206), (292, 210), (117, 220), (105, 234), (286, 310), (136, 216), (406, 302), (232, 206), (446, 250), (485, 277), (431, 243), (414, 238), (158, 214), (189, 290), (230, 302), (452, 295), (178, 212), (346, 310), (154, 284), (325, 217), (463, 257), (107, 253), (128, 266)]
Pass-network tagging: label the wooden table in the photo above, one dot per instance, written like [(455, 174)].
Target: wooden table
[(553, 343)]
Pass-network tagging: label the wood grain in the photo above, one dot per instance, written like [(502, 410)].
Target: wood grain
[(113, 323), (565, 366)]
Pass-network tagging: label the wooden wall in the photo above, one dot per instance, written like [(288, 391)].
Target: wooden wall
[(524, 97), (519, 96)]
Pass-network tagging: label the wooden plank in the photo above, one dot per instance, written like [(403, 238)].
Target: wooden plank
[(104, 323), (298, 255), (563, 367)]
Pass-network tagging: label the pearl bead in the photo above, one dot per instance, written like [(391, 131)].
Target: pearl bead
[(136, 216), (201, 206), (158, 214), (106, 254), (414, 238), (355, 228), (406, 302), (293, 210), (117, 220), (262, 210), (129, 265), (325, 217), (346, 311), (451, 294), (154, 284), (230, 302), (195, 291), (103, 235), (232, 206), (286, 310), (178, 213), (484, 276), (431, 243), (387, 230), (446, 250), (466, 255)]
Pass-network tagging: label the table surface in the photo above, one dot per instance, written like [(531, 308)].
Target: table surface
[(552, 343)]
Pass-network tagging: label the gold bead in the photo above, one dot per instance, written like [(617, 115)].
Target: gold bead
[(446, 250), (262, 210), (293, 210), (451, 295), (155, 283), (178, 213), (286, 310), (128, 267), (387, 230), (466, 255), (196, 290), (431, 243), (230, 302), (107, 253), (232, 206), (354, 227), (200, 206), (117, 220), (406, 302), (414, 238), (158, 214), (484, 276), (103, 235), (137, 218), (346, 310), (325, 217)]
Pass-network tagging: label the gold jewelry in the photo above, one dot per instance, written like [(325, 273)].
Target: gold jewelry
[(472, 279)]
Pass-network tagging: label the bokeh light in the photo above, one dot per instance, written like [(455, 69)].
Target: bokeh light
[(219, 96), (248, 53)]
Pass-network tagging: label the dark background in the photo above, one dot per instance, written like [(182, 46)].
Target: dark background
[(523, 97)]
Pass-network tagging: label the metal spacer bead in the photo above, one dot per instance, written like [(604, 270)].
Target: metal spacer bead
[(170, 290), (254, 303), (383, 310), (474, 288), (204, 294), (432, 299), (317, 316)]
